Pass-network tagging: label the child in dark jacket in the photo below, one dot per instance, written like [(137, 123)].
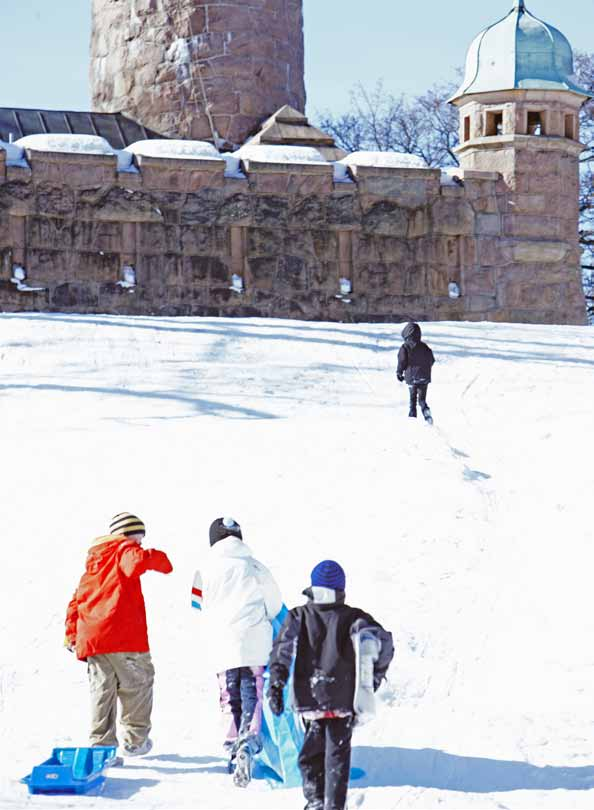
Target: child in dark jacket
[(319, 637), (415, 360)]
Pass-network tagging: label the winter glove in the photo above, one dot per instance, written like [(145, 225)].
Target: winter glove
[(275, 699), (400, 376), (70, 645)]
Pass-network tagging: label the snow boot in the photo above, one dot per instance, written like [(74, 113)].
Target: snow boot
[(413, 412), (138, 750), (427, 415), (242, 774)]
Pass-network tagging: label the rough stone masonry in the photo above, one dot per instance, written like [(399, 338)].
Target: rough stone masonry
[(164, 62)]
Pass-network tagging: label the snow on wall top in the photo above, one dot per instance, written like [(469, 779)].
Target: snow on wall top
[(387, 160), (79, 144), (279, 153), (192, 150), (15, 155)]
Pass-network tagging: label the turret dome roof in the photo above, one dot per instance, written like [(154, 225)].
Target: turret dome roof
[(519, 52)]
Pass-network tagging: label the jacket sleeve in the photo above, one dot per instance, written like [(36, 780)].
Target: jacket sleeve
[(432, 357), (402, 360), (135, 560), (283, 650), (197, 591), (384, 637), (273, 600), (71, 619)]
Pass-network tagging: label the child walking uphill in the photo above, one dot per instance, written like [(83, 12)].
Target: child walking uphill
[(240, 599), (318, 636), (415, 360), (106, 625)]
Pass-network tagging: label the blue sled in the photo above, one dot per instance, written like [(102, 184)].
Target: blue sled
[(71, 770), (282, 737)]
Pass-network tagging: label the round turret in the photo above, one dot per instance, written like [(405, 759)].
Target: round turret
[(197, 69)]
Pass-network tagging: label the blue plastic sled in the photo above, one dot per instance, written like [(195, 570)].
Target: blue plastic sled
[(282, 737), (71, 770)]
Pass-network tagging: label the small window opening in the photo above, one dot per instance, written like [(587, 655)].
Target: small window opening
[(535, 123), (570, 127), (453, 290), (467, 128), (494, 123)]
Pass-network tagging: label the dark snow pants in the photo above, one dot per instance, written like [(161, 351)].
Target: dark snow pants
[(241, 691), (325, 762), (418, 390)]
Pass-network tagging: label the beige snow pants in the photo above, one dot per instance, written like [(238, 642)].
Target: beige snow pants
[(129, 677)]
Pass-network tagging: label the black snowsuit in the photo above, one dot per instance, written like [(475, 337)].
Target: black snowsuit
[(318, 636), (415, 360)]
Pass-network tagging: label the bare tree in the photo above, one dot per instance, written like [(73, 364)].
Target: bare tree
[(584, 68), (426, 126)]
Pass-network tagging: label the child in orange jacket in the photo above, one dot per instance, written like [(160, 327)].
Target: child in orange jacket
[(106, 625)]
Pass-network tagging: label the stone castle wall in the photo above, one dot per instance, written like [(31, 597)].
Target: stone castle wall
[(289, 232), (163, 61)]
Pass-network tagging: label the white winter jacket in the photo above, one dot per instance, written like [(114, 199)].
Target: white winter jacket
[(239, 599)]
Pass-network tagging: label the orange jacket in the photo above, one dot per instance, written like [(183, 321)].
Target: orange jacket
[(106, 613)]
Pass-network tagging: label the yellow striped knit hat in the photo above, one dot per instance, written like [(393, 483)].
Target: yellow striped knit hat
[(126, 523)]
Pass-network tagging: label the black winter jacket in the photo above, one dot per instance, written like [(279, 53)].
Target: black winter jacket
[(415, 358), (318, 637)]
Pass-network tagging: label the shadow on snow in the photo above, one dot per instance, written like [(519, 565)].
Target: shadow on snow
[(431, 768), (204, 406)]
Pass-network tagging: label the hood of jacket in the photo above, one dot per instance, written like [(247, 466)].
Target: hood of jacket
[(231, 547), (411, 333), (324, 596)]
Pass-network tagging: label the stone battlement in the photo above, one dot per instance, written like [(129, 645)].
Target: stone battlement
[(200, 236)]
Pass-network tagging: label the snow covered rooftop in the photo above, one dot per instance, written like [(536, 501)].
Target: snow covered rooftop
[(188, 150), (78, 144), (279, 153), (385, 160)]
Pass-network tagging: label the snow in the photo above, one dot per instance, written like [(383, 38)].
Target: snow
[(193, 150), (80, 144), (278, 153), (15, 155), (187, 150), (451, 176), (471, 541), (126, 161), (385, 160)]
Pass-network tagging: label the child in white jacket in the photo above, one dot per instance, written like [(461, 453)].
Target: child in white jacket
[(240, 599)]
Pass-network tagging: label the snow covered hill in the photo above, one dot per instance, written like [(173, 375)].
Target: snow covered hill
[(471, 540)]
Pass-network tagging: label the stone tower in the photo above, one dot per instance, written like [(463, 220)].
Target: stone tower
[(199, 69), (519, 115)]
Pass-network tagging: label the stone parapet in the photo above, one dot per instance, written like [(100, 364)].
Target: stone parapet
[(284, 240)]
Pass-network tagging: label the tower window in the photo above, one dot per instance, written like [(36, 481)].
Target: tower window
[(467, 128), (494, 123), (570, 127), (535, 124)]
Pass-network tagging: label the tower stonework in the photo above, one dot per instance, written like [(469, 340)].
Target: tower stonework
[(201, 69), (519, 116)]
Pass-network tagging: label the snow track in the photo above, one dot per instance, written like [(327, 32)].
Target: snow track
[(470, 540)]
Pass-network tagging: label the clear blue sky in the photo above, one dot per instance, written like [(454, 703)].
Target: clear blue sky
[(411, 45)]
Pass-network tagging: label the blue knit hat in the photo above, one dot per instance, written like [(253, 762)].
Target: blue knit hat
[(328, 574)]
